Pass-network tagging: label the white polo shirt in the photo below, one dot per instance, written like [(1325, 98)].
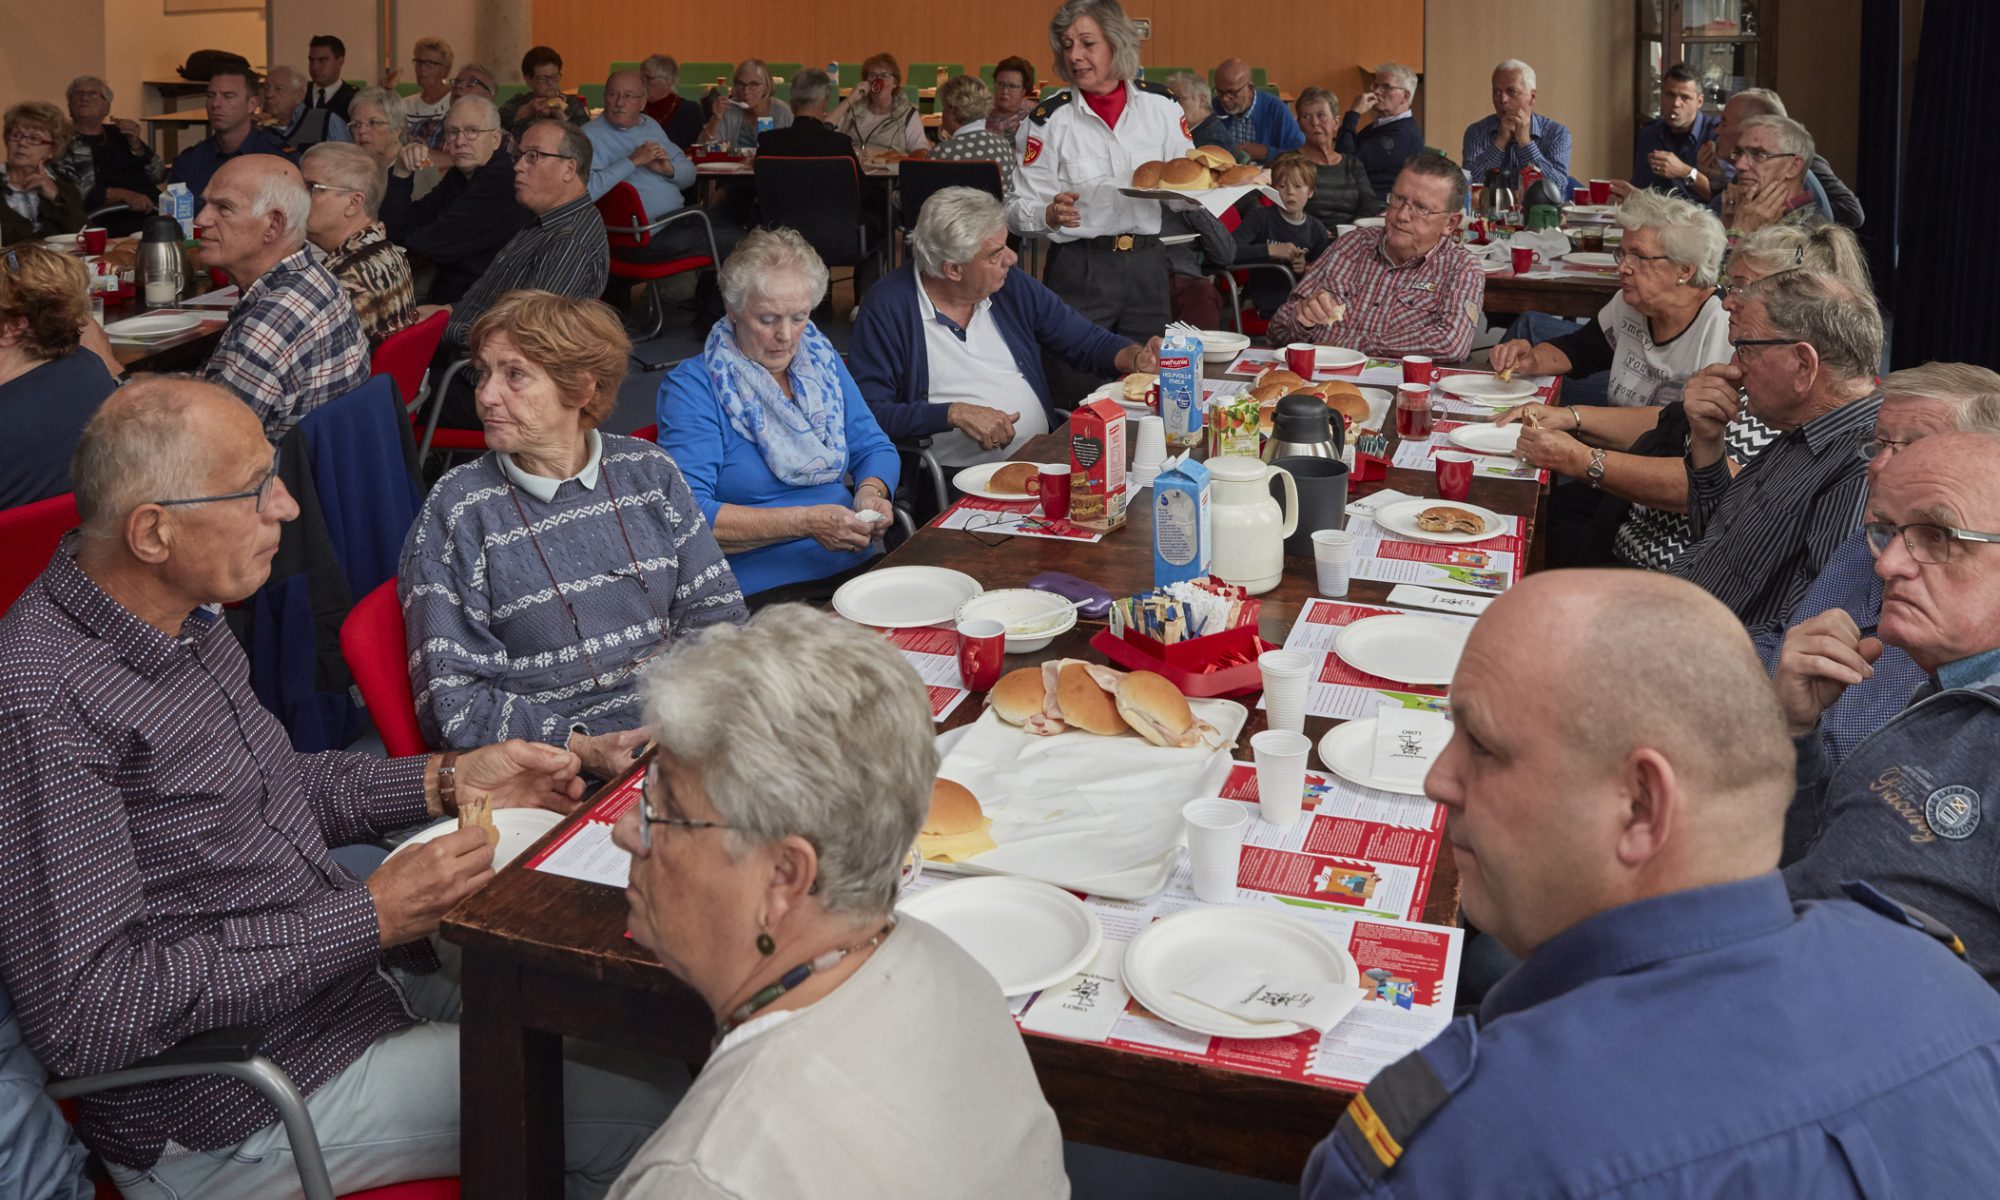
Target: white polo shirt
[(976, 368)]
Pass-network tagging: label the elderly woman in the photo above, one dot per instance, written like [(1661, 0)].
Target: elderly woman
[(748, 110), (1013, 95), (108, 159), (34, 201), (1105, 257), (1197, 101), (1343, 191), (542, 67), (346, 187), (50, 379), (877, 116), (765, 861), (963, 104), (679, 117), (378, 119), (540, 576), (785, 460), (426, 110)]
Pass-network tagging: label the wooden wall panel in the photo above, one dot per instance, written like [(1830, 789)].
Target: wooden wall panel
[(1300, 42)]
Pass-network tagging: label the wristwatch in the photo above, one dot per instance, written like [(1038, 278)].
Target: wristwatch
[(1594, 474), (1691, 177)]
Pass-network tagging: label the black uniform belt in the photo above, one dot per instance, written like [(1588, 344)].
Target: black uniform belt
[(1120, 241)]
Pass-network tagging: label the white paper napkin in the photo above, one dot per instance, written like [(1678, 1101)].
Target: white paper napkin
[(1254, 994), (1406, 742)]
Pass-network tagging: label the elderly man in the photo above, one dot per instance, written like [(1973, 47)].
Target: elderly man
[(168, 868), (1517, 136), (680, 118), (811, 135), (109, 160), (627, 146), (1254, 121), (459, 225), (562, 249), (1771, 157), (475, 80), (951, 348), (1806, 348), (325, 56), (1916, 403), (292, 342), (1406, 288), (346, 192), (292, 120), (232, 130), (1664, 152), (1394, 136), (1906, 810), (1813, 1047), (1715, 159)]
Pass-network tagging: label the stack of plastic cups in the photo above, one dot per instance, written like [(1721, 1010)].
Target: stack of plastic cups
[(1149, 450), (1215, 846), (1333, 555), (1285, 678)]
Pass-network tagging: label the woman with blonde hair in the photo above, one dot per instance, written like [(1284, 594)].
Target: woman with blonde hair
[(55, 369), (35, 203), (540, 577), (426, 110)]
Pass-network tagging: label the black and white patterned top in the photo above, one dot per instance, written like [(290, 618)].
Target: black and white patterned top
[(1653, 538)]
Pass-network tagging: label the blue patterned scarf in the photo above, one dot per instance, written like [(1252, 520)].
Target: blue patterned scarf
[(803, 439)]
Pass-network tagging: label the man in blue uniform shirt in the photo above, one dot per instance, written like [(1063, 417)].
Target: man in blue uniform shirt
[(1664, 152), (1679, 1027)]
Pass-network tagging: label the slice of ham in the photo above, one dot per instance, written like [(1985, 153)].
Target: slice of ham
[(1050, 720), (1043, 725)]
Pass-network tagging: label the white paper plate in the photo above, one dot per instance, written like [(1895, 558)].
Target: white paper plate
[(1170, 952), (1040, 616), (1370, 222), (1402, 648), (1027, 935), (1222, 346), (1489, 390), (1488, 439), (905, 597), (1115, 392), (1348, 750), (519, 829), (1400, 518), (1337, 358), (1591, 258), (972, 481), (152, 327), (1590, 210), (62, 241)]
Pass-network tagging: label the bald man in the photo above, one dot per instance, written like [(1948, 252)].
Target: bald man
[(1256, 121), (292, 342), (1906, 811), (167, 866), (1679, 1026)]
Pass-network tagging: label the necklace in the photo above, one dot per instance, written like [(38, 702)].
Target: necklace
[(793, 978)]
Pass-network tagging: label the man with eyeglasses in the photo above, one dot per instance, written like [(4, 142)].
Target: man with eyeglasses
[(1406, 288), (169, 869), (1258, 124), (459, 225), (1906, 811), (233, 97), (346, 187), (1393, 136), (678, 116), (1716, 160), (474, 80), (1771, 157), (1517, 136), (109, 158)]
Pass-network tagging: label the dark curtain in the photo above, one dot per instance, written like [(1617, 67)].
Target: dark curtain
[(1878, 173), (1948, 279)]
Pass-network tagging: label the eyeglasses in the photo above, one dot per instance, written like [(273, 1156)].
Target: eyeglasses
[(1759, 155), (1398, 200), (454, 132), (1930, 544), (546, 77), (429, 62), (648, 818), (327, 187), (375, 123), (27, 138), (886, 76), (472, 81), (258, 493), (1621, 256), (1009, 87), (657, 78), (534, 157), (1739, 345), (1241, 90), (1874, 446)]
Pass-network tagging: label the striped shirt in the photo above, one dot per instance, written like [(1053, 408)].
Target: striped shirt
[(163, 851), (1428, 305), (1547, 150), (1764, 534), (564, 251), (375, 274), (487, 600), (292, 344)]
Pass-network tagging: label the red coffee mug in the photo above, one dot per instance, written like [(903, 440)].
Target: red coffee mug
[(1418, 368), (982, 646), (93, 240), (1052, 485), (1600, 191), (1524, 260), (1454, 472), (1301, 358), (1580, 195)]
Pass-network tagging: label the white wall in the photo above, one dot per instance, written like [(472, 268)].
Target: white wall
[(45, 45), (456, 21), (140, 41), (355, 22)]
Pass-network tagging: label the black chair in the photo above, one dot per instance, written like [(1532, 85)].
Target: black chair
[(821, 198), (920, 178)]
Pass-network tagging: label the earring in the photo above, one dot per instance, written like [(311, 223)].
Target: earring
[(766, 946)]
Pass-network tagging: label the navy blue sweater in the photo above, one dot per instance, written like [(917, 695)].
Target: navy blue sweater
[(1381, 148)]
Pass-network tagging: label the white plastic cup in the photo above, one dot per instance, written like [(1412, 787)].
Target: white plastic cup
[(1286, 674), (1281, 774), (1149, 447), (1333, 557), (1215, 846)]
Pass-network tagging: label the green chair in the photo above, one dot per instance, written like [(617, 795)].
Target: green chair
[(692, 91), (593, 95), (782, 91), (926, 74), (986, 72), (785, 71), (1160, 75), (408, 89), (621, 66), (706, 73), (850, 75), (508, 91)]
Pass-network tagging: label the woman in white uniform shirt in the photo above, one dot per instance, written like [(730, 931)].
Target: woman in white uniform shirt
[(1077, 149), (857, 1055)]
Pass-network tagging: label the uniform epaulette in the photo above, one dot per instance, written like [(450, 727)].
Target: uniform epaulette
[(1380, 1122), (1866, 895), (1049, 105), (1158, 89)]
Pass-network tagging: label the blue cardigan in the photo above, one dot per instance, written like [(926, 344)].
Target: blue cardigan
[(721, 467), (1276, 127), (892, 365)]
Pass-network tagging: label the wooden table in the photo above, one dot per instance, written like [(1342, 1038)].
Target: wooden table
[(547, 957), (181, 352), (1578, 294)]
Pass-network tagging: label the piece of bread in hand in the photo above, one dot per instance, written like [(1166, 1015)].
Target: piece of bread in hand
[(1444, 518), (475, 811)]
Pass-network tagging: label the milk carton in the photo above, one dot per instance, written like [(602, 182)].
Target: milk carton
[(1097, 466), (178, 203), (1181, 523), (1180, 390)]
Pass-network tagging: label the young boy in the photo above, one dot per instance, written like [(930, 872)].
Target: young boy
[(1284, 234)]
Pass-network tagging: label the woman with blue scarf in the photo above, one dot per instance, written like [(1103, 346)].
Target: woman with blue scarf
[(783, 457)]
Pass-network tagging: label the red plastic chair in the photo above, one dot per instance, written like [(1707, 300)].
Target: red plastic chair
[(628, 227), (650, 433), (406, 354), (378, 656), (452, 441), (29, 535)]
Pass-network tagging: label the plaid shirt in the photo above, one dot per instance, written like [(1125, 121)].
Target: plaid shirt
[(163, 851), (375, 274), (564, 251), (1428, 305), (292, 344)]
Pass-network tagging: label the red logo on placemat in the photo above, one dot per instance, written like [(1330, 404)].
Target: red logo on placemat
[(1034, 149)]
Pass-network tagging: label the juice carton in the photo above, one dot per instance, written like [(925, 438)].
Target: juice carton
[(1097, 466)]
